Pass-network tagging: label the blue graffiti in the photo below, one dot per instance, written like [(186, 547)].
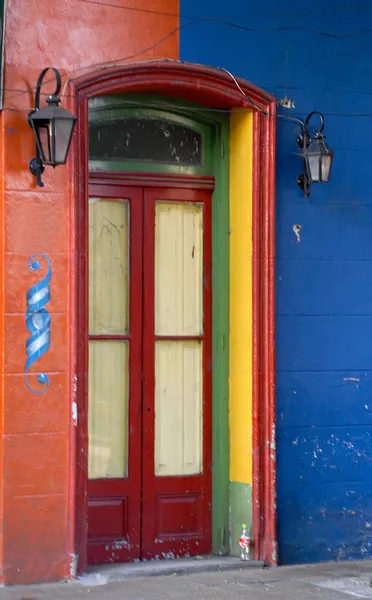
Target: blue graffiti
[(38, 322)]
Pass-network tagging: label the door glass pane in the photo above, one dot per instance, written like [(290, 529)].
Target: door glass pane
[(144, 139), (178, 407), (178, 268), (108, 266), (108, 409)]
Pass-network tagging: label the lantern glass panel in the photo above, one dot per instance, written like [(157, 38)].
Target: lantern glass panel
[(63, 132), (314, 170), (326, 167), (44, 139)]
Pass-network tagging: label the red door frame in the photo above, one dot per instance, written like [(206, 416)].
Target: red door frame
[(214, 88)]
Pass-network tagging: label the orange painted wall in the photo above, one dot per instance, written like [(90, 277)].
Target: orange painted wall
[(37, 519)]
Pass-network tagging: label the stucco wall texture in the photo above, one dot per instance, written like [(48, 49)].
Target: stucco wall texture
[(318, 55), (37, 443)]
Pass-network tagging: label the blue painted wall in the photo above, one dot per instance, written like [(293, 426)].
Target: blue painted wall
[(324, 281)]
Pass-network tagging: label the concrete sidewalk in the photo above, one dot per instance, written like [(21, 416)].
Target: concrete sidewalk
[(330, 581)]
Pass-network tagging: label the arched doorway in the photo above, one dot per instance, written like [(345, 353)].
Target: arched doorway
[(217, 90)]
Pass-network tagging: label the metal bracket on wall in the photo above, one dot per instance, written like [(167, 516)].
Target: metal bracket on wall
[(286, 102)]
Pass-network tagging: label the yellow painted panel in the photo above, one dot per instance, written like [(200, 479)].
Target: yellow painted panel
[(178, 407), (241, 139), (108, 266), (108, 409), (178, 269)]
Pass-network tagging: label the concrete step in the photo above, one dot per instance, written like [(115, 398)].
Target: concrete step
[(102, 574)]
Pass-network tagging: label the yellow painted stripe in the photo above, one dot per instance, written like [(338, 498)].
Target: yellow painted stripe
[(241, 140)]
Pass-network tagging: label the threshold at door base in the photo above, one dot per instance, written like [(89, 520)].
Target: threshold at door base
[(101, 574)]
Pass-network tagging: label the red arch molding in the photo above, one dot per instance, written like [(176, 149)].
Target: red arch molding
[(214, 88)]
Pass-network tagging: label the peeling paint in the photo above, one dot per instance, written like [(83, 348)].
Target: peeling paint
[(274, 555), (74, 385), (120, 544), (74, 412), (73, 564), (297, 228)]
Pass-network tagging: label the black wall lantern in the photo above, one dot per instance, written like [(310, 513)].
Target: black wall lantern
[(317, 156), (53, 127)]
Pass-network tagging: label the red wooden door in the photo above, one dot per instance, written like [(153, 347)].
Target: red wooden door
[(149, 485), (114, 455), (176, 504)]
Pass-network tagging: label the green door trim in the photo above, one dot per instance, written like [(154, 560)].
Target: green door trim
[(215, 134), (220, 337)]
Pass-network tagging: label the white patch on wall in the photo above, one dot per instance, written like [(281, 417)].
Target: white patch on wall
[(297, 228), (74, 413)]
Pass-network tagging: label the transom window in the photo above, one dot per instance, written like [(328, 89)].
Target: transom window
[(137, 134), (145, 139)]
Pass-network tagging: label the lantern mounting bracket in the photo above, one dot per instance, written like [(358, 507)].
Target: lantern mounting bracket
[(53, 128), (36, 165), (316, 153), (37, 168)]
